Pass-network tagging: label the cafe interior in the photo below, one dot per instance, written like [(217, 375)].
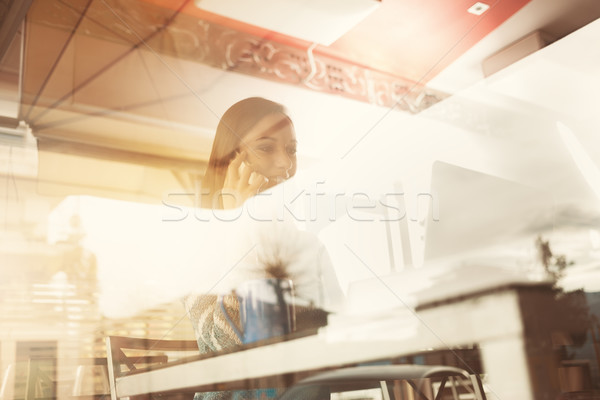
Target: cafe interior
[(447, 183)]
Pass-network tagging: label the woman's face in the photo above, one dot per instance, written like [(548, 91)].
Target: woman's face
[(271, 148)]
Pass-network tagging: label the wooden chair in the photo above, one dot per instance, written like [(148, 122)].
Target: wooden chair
[(136, 353)]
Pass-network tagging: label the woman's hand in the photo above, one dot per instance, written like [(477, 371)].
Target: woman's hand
[(241, 182)]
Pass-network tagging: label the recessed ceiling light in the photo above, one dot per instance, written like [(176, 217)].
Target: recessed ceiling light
[(478, 8)]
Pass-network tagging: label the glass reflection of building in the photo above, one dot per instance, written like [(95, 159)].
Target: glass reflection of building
[(49, 306)]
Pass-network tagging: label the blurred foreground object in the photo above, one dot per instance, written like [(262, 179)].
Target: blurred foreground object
[(389, 382)]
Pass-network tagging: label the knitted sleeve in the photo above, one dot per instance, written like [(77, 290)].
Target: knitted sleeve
[(213, 329)]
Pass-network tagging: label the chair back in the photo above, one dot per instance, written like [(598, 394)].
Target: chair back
[(128, 354)]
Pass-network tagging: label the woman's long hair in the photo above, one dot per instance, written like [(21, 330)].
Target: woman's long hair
[(234, 125)]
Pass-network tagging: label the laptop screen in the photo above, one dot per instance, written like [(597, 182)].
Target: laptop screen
[(471, 210)]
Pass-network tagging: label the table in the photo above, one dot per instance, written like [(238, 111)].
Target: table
[(495, 319)]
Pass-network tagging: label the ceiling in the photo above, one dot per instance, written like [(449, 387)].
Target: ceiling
[(406, 39), (391, 58), (389, 69)]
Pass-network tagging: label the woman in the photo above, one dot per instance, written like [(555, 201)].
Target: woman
[(255, 149)]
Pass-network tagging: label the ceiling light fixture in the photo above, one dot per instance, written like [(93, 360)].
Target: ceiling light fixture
[(316, 21), (478, 8)]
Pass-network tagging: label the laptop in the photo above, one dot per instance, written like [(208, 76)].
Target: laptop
[(473, 223), (472, 210)]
